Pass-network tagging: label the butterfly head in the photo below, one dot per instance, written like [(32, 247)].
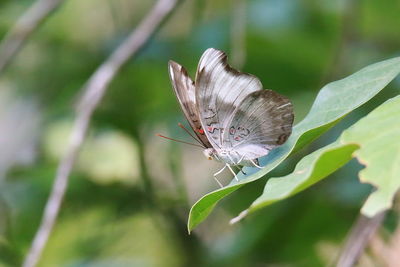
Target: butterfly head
[(209, 153)]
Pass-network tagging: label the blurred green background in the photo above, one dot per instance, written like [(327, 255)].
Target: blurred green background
[(129, 196)]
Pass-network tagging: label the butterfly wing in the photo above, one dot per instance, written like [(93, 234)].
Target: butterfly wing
[(185, 92), (262, 121), (219, 91)]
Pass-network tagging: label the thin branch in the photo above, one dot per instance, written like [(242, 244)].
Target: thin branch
[(394, 249), (93, 92), (388, 251), (23, 29), (358, 238)]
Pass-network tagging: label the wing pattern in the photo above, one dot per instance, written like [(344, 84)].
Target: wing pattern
[(185, 92), (229, 110), (219, 90), (261, 122)]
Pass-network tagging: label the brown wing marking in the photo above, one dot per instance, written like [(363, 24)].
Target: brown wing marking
[(261, 122), (219, 90), (185, 93)]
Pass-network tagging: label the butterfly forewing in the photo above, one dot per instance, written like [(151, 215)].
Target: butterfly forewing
[(185, 92), (262, 121), (219, 91), (229, 111)]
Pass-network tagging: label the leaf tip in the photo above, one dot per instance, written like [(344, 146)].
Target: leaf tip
[(239, 217), (189, 225)]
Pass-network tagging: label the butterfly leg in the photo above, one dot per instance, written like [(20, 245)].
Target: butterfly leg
[(255, 164), (241, 169), (240, 160), (230, 168), (215, 176)]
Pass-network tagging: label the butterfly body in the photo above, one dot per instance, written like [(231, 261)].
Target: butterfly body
[(228, 156), (233, 117)]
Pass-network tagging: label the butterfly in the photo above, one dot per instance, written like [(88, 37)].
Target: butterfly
[(233, 117)]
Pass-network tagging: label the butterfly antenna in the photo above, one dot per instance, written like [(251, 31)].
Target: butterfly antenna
[(179, 141), (189, 133)]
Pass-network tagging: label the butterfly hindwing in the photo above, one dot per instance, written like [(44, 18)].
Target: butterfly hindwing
[(219, 91), (185, 92), (261, 122), (229, 111)]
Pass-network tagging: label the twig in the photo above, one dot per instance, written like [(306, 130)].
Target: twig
[(388, 251), (238, 33), (93, 92), (394, 248), (24, 27), (358, 238)]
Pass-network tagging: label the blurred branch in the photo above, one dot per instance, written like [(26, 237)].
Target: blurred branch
[(360, 235), (93, 92), (388, 253), (24, 27), (388, 250), (238, 33)]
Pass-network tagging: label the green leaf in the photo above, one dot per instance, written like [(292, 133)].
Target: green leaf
[(334, 101), (310, 170), (374, 140), (378, 135)]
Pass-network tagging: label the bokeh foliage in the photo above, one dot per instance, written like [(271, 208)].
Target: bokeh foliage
[(128, 217)]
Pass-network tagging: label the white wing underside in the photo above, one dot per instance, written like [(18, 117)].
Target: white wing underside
[(235, 112), (229, 111), (184, 89), (219, 91), (262, 122)]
